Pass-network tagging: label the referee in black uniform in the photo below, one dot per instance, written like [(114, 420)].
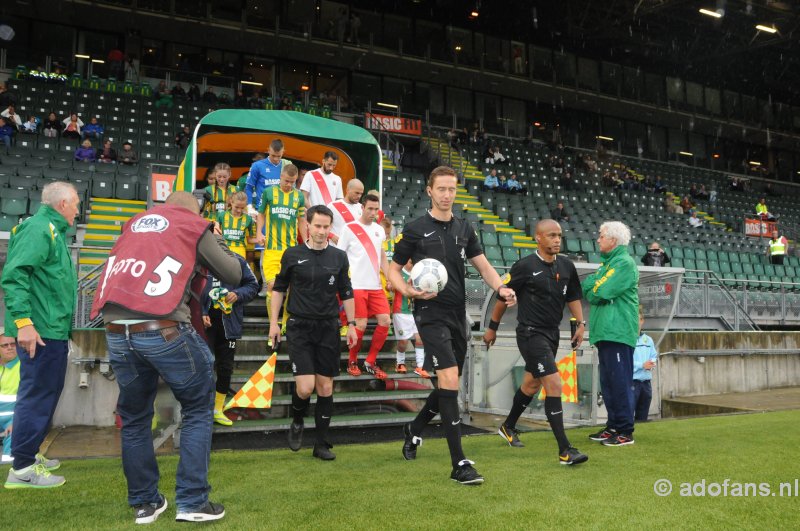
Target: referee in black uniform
[(545, 283), (316, 272), (441, 318)]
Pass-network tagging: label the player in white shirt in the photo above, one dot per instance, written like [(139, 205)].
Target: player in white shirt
[(362, 240), (349, 207), (313, 193)]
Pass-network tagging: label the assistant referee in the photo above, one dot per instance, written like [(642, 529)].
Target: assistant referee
[(316, 272), (545, 282), (441, 318)]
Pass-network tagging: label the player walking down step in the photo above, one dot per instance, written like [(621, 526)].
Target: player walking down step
[(545, 282), (362, 240), (441, 318)]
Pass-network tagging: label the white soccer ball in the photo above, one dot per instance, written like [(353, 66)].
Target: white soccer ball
[(429, 275)]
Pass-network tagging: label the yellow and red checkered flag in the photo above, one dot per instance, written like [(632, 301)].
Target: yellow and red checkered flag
[(257, 392), (568, 370)]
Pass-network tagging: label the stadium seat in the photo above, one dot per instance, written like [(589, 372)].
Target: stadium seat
[(13, 201), (8, 222), (125, 187), (103, 187)]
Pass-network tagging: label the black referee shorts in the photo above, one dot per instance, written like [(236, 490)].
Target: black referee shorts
[(538, 349), (444, 334), (314, 346)]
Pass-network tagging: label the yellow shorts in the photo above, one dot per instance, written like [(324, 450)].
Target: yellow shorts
[(270, 264), (239, 249)]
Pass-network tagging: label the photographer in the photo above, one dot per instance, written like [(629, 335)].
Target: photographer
[(655, 256)]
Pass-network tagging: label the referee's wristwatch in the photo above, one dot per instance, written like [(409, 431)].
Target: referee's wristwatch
[(351, 323)]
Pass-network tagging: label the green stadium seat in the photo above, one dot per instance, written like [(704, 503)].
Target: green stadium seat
[(8, 222), (102, 187), (14, 201), (526, 251), (489, 238), (510, 255), (573, 246), (125, 187), (505, 239), (494, 254), (588, 246)]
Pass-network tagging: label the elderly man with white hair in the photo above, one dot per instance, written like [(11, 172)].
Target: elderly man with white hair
[(612, 292), (40, 286)]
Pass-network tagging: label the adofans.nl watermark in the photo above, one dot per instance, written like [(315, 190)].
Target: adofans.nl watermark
[(727, 487)]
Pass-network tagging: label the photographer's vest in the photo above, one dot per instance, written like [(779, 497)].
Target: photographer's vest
[(152, 266)]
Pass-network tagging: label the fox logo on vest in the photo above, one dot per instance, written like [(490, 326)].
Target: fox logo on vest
[(150, 223)]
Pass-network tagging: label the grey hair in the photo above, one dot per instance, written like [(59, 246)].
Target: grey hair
[(618, 231), (57, 191)]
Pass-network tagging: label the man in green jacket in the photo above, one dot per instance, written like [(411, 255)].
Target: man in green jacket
[(613, 294), (40, 286)]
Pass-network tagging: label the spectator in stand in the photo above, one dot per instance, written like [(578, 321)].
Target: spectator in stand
[(163, 96), (183, 137), (491, 183), (72, 126), (85, 153), (209, 96), (559, 213), (127, 155), (515, 187), (702, 193), (502, 184), (6, 132), (735, 185), (566, 180), (694, 221), (712, 196), (686, 204), (194, 93), (93, 130), (497, 156), (52, 126), (178, 93), (655, 256), (5, 97), (30, 127), (693, 191), (777, 248), (355, 27), (659, 187), (670, 205), (763, 211), (116, 63), (12, 118), (107, 155)]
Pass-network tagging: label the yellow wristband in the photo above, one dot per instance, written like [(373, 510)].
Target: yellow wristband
[(20, 323)]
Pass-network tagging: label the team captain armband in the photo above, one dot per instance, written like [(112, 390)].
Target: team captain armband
[(20, 323)]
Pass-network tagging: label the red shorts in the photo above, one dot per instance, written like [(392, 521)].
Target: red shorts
[(370, 302)]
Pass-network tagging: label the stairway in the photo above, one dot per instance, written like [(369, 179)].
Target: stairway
[(359, 402), (472, 204), (105, 221)]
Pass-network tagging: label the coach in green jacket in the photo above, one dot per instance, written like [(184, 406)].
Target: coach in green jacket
[(613, 294), (40, 286)]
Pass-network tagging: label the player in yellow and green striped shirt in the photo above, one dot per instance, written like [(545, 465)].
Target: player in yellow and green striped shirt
[(218, 193), (236, 226), (280, 217)]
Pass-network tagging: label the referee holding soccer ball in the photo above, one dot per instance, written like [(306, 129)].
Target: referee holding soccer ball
[(441, 317)]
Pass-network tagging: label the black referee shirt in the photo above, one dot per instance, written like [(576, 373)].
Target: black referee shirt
[(543, 289), (451, 242), (315, 277)]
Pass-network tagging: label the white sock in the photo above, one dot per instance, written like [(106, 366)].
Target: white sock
[(22, 471), (420, 352), (401, 357)]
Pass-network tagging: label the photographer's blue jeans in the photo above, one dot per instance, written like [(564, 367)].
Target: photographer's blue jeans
[(186, 364)]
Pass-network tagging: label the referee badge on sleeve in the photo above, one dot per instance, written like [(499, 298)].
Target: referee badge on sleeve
[(505, 279)]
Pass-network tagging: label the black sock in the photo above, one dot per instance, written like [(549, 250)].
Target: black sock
[(299, 407), (555, 416), (426, 414), (322, 416), (448, 405), (521, 401)]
